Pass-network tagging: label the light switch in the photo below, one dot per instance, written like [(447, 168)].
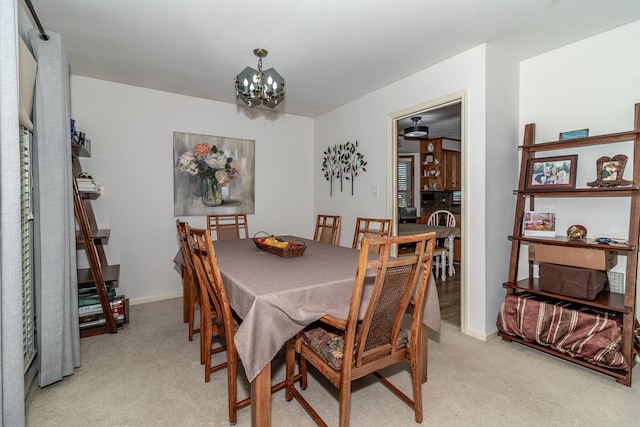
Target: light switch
[(376, 191)]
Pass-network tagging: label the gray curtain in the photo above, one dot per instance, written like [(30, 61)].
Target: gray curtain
[(11, 357), (58, 339)]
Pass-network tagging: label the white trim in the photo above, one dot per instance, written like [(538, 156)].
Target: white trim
[(480, 336), (392, 158)]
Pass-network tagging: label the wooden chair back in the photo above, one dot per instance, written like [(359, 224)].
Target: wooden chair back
[(228, 226), (190, 291), (208, 273), (328, 229), (371, 227), (215, 301), (398, 281)]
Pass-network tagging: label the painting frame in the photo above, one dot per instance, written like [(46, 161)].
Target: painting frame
[(230, 160), (551, 173)]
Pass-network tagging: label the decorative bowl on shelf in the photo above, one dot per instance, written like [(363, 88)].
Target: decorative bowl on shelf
[(576, 231)]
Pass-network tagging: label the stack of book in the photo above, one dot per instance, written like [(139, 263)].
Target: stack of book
[(87, 185), (89, 296), (92, 315)]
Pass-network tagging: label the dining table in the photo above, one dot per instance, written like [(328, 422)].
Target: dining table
[(277, 297), (442, 232)]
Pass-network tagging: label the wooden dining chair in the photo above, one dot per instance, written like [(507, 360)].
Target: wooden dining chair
[(370, 227), (226, 321), (328, 229), (344, 350), (209, 317), (190, 293), (441, 251), (442, 217), (228, 226)]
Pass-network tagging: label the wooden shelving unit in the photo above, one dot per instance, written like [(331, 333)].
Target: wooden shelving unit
[(618, 303), (431, 165), (91, 239)]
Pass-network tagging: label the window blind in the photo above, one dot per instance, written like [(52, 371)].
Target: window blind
[(405, 182), (26, 214)]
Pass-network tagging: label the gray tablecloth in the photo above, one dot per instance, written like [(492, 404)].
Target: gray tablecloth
[(441, 231), (277, 297)]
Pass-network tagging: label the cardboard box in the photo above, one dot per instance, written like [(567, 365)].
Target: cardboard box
[(596, 259)]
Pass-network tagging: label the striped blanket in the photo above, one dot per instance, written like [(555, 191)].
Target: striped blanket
[(571, 329)]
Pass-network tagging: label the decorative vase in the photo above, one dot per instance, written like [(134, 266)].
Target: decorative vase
[(211, 192)]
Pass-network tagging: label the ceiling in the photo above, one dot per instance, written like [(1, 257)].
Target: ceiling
[(443, 122), (330, 52)]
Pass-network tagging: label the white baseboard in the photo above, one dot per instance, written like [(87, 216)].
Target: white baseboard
[(481, 336), (154, 298)]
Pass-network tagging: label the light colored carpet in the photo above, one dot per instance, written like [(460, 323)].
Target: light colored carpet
[(149, 374)]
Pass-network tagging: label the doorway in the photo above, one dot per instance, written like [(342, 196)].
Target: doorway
[(445, 119)]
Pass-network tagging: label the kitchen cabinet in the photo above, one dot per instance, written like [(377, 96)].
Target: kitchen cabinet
[(451, 170), (440, 170)]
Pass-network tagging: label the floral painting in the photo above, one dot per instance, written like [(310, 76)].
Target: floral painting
[(212, 175)]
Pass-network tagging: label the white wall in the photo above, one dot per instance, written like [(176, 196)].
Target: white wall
[(365, 120), (501, 177), (590, 84), (131, 131)]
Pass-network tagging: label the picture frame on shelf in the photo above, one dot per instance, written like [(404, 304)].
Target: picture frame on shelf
[(429, 158), (574, 134), (610, 171), (551, 173), (539, 224)]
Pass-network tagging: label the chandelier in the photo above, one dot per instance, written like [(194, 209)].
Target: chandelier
[(258, 87)]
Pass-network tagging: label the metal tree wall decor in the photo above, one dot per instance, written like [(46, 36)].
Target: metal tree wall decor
[(330, 166), (342, 162)]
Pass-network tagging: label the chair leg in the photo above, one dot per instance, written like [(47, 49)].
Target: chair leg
[(203, 339), (417, 391), (192, 310), (436, 265), (303, 373), (443, 264), (207, 337), (345, 402), (232, 370), (290, 376), (186, 298)]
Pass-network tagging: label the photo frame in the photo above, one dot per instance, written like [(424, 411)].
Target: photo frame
[(552, 173), (539, 224), (574, 134), (609, 172)]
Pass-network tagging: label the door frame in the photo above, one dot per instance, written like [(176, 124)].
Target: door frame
[(392, 198)]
